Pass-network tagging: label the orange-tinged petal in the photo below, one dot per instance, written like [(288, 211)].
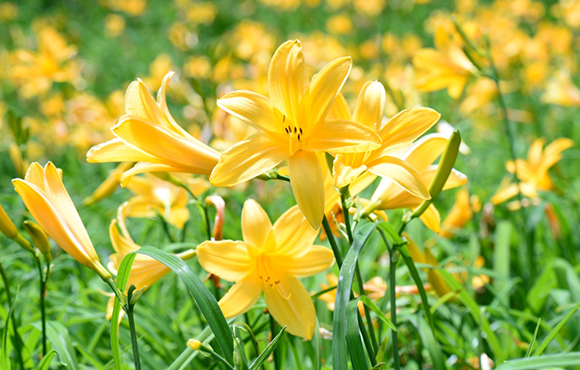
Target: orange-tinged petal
[(254, 109), (227, 259), (431, 218), (256, 225), (35, 175), (307, 185), (342, 136), (241, 296), (316, 260), (117, 150), (290, 305), (370, 105), (325, 87), (405, 127), (401, 173), (122, 245), (294, 234), (248, 159), (504, 194)]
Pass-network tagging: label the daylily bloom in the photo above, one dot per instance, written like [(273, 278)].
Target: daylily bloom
[(433, 276), (446, 67), (154, 196), (148, 134), (269, 260), (398, 132), (45, 196), (108, 187), (560, 90), (458, 216), (292, 125), (420, 156), (533, 173)]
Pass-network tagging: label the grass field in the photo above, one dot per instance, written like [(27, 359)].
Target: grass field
[(484, 275)]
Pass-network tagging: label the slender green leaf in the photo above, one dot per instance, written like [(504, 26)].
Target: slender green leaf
[(533, 341), (58, 336), (122, 278), (46, 360), (5, 354), (555, 331), (501, 256), (343, 294), (542, 362), (370, 304), (317, 344), (268, 350), (356, 347), (431, 344)]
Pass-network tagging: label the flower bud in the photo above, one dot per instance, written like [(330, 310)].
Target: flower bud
[(6, 225), (194, 344), (39, 238)]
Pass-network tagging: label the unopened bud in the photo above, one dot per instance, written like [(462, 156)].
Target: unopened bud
[(137, 294), (6, 225), (39, 238), (220, 205), (194, 344)]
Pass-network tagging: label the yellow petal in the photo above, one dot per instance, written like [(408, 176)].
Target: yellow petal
[(162, 102), (370, 105), (248, 159), (405, 127), (344, 174), (227, 259), (294, 234), (316, 260), (35, 175), (290, 305), (144, 167), (121, 245), (421, 154), (171, 148), (431, 218), (339, 109), (342, 136), (454, 180), (178, 216), (254, 109), (117, 150), (287, 80), (307, 185), (552, 152), (140, 103), (241, 296), (256, 225), (326, 85), (504, 194), (401, 173)]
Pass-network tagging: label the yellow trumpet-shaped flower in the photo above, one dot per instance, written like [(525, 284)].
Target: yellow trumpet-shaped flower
[(45, 196), (398, 132), (459, 215), (148, 134), (153, 196), (447, 66), (533, 173), (561, 91), (269, 260), (420, 156), (292, 125)]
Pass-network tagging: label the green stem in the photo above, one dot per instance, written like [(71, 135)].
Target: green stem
[(134, 344), (17, 340), (393, 294), (332, 241), (207, 223), (273, 331), (42, 302), (166, 228)]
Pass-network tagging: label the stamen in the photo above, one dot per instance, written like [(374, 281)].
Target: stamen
[(295, 129), (284, 119), (301, 130), (286, 129)]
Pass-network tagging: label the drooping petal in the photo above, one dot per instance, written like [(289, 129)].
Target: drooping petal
[(294, 234), (401, 173), (307, 185), (227, 259), (552, 152), (241, 296), (256, 225), (370, 105), (117, 150), (248, 159), (290, 305), (144, 167), (318, 259), (342, 136), (121, 245), (504, 194), (454, 180), (287, 79), (162, 102), (252, 108), (326, 85), (432, 219), (405, 127)]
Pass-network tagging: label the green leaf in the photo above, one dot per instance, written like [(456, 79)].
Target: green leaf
[(317, 344), (370, 304), (542, 362), (356, 347), (122, 278), (61, 342), (431, 344), (202, 296), (343, 294), (533, 341), (501, 256), (555, 331), (5, 354), (268, 350), (46, 360)]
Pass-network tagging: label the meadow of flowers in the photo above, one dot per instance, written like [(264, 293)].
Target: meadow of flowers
[(289, 184)]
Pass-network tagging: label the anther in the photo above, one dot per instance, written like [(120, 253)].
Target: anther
[(298, 137), (286, 129), (277, 282), (284, 119), (295, 129), (301, 130)]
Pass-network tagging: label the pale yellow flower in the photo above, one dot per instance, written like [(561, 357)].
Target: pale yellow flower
[(459, 215)]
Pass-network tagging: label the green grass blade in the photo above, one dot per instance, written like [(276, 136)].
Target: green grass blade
[(317, 344), (58, 336), (501, 256), (370, 304), (5, 354), (202, 296), (268, 350), (555, 331), (343, 293), (431, 344), (542, 362), (356, 349), (46, 360), (533, 341)]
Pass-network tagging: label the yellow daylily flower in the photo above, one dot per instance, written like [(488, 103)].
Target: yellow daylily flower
[(420, 156), (154, 196), (560, 90), (446, 67), (458, 216), (433, 276), (108, 187), (45, 196), (533, 173), (269, 260), (292, 125), (148, 134), (398, 132)]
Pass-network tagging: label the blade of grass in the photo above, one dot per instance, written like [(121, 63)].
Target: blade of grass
[(542, 362), (555, 331)]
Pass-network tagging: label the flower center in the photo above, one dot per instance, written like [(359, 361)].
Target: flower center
[(269, 276), (295, 136)]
